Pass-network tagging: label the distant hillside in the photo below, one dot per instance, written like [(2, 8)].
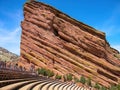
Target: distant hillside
[(5, 55)]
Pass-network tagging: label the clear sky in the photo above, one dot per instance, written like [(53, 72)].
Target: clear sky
[(104, 15)]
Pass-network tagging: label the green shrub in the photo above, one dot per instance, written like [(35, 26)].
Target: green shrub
[(89, 82), (69, 77), (58, 76), (76, 79), (113, 87), (118, 86), (103, 88), (82, 80), (97, 86), (42, 71), (49, 73), (45, 72)]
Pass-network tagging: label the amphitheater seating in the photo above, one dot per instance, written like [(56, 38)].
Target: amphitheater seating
[(40, 84), (13, 80), (11, 74)]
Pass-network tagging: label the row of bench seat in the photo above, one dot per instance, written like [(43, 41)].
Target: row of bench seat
[(11, 74), (40, 83), (16, 80)]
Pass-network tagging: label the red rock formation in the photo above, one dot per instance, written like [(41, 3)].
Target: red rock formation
[(54, 40)]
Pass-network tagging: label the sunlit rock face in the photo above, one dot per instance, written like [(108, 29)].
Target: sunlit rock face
[(53, 40)]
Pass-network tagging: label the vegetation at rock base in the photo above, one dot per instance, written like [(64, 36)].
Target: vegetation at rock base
[(76, 79), (82, 80), (45, 72), (58, 76), (97, 86), (50, 73), (103, 88), (68, 77), (118, 86), (88, 81), (114, 87)]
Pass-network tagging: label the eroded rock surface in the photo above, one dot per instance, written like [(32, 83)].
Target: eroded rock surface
[(54, 40)]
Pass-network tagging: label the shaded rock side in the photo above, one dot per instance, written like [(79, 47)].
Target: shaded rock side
[(54, 40)]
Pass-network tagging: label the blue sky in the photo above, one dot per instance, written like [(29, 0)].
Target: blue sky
[(104, 15)]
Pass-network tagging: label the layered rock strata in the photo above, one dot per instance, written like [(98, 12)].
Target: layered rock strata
[(53, 40)]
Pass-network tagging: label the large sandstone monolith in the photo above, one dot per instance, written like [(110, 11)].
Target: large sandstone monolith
[(53, 40)]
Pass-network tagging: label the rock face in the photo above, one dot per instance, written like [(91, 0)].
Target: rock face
[(53, 40)]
